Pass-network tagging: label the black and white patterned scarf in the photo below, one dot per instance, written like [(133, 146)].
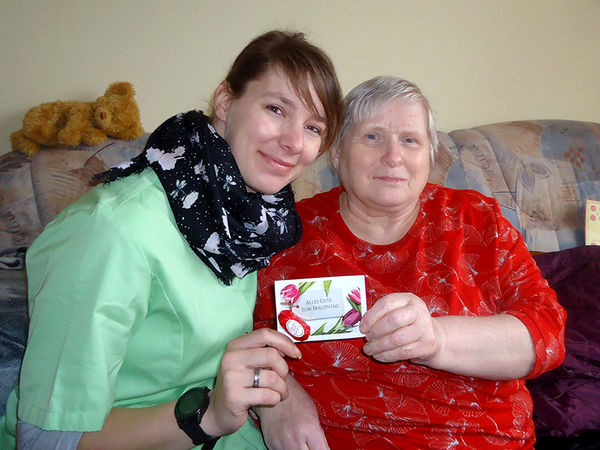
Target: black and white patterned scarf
[(233, 231)]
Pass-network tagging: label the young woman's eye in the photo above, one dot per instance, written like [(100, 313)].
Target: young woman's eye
[(275, 109), (314, 129)]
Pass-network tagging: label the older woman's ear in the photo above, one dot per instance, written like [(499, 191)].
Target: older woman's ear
[(334, 154)]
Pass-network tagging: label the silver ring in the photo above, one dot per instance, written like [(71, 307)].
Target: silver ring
[(256, 379)]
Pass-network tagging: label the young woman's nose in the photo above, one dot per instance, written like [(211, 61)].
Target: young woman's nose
[(292, 137)]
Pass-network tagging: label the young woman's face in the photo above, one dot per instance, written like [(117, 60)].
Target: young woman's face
[(272, 134)]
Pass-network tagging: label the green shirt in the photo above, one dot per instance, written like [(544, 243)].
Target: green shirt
[(123, 313)]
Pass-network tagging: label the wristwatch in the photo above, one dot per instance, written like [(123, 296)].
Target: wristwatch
[(189, 410)]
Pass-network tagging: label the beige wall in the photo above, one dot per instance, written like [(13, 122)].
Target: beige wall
[(479, 61)]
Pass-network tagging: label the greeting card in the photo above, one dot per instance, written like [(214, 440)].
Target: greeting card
[(320, 309), (592, 222)]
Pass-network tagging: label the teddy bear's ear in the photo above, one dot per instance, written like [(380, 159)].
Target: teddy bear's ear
[(120, 88)]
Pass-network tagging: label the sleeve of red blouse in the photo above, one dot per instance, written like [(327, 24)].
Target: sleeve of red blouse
[(527, 296)]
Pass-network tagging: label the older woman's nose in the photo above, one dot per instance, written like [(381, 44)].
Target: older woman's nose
[(393, 154), (292, 137)]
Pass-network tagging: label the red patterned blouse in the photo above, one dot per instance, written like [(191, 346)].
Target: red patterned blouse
[(462, 257)]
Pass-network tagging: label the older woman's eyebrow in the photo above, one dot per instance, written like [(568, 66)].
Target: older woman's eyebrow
[(379, 126), (411, 130)]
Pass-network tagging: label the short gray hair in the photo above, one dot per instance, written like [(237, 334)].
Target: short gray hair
[(364, 101)]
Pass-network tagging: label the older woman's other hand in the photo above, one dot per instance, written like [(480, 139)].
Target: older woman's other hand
[(234, 392), (399, 327), (292, 424)]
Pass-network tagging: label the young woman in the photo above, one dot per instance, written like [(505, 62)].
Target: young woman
[(142, 292)]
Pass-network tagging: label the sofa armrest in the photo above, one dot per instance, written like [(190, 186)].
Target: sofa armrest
[(33, 191)]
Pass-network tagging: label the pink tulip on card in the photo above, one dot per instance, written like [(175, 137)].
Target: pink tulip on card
[(290, 294), (355, 296), (351, 318)]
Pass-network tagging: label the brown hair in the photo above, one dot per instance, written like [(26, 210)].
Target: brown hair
[(301, 62)]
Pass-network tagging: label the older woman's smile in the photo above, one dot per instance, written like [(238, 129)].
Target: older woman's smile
[(391, 179)]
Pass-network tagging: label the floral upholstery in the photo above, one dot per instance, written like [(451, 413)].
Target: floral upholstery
[(540, 172), (33, 191)]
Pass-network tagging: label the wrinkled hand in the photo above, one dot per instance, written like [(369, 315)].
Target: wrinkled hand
[(399, 327), (233, 393), (293, 424)]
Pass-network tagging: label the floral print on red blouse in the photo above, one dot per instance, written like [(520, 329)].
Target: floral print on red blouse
[(462, 257)]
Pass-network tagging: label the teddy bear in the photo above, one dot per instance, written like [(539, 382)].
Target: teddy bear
[(70, 123)]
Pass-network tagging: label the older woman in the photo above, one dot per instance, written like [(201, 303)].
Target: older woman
[(458, 313)]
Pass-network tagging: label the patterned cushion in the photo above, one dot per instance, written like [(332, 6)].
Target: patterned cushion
[(540, 172), (33, 191)]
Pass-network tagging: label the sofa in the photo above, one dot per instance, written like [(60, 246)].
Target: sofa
[(540, 171)]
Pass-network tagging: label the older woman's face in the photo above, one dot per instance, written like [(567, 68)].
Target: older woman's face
[(383, 162)]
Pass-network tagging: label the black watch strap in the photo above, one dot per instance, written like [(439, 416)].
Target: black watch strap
[(189, 420), (199, 437)]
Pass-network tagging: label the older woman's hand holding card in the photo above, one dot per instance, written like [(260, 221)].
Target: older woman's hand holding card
[(399, 327)]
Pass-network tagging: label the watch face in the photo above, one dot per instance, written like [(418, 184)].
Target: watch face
[(190, 402)]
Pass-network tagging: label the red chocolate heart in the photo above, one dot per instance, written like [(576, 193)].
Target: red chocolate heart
[(294, 325)]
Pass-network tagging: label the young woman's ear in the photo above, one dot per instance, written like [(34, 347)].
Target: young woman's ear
[(222, 101)]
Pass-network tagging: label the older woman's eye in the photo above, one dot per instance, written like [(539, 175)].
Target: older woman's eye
[(275, 109), (409, 140), (371, 136)]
